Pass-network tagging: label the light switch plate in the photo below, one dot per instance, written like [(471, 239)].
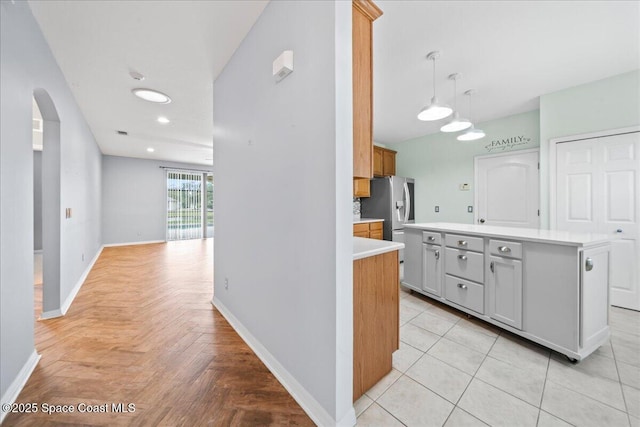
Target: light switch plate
[(437, 208), (470, 209)]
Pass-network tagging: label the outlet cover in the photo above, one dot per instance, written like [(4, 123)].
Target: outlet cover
[(470, 209), (437, 208)]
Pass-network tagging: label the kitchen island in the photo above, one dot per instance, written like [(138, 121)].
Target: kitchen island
[(376, 305), (551, 287)]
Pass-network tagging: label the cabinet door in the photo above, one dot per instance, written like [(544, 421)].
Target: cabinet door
[(361, 187), (389, 162), (413, 269), (378, 165), (505, 291), (594, 292), (362, 95), (432, 269)]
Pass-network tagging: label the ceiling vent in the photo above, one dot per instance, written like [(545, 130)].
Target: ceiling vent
[(122, 132)]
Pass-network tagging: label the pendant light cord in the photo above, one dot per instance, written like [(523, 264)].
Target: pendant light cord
[(434, 77)]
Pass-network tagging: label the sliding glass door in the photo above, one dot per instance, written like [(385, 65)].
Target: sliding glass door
[(184, 205)]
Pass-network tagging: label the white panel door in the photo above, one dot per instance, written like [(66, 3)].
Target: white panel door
[(507, 190), (598, 185)]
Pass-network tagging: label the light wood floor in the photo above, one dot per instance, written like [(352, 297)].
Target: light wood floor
[(142, 330)]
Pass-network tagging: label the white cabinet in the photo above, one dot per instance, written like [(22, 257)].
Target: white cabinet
[(432, 269), (504, 291), (550, 287)]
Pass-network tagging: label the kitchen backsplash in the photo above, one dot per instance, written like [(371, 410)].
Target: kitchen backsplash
[(356, 207)]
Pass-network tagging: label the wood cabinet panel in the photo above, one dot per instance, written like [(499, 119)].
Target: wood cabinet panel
[(371, 230), (384, 161), (362, 95), (376, 322), (361, 187)]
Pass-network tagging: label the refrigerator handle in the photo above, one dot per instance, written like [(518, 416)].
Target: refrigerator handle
[(407, 203)]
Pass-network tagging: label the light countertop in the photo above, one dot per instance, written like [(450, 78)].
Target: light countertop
[(364, 248), (528, 234), (365, 220)]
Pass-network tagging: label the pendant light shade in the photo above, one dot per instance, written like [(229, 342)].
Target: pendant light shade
[(435, 110), (472, 133), (456, 124)]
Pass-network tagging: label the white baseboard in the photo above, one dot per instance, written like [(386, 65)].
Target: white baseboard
[(308, 403), (147, 242), (72, 295), (18, 383)]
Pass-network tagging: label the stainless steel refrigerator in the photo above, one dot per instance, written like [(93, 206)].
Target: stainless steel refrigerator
[(392, 199)]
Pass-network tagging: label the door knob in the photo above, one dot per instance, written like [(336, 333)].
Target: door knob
[(481, 220)]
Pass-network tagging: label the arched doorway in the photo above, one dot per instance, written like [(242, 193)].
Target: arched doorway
[(51, 210)]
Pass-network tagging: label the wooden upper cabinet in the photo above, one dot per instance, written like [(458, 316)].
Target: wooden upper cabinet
[(364, 13), (384, 161)]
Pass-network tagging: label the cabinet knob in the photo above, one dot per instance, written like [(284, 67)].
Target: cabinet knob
[(437, 254), (431, 238), (462, 257), (504, 249), (462, 286), (481, 220), (462, 243), (588, 264), (619, 230), (491, 267)]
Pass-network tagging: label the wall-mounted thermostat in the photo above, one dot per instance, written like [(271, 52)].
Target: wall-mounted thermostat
[(283, 65)]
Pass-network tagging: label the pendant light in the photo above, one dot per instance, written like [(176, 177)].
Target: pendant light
[(456, 124), (434, 111), (472, 133)]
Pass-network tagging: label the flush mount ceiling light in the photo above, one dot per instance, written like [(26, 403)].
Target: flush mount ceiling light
[(456, 124), (150, 150), (163, 120), (434, 111), (472, 133), (151, 95)]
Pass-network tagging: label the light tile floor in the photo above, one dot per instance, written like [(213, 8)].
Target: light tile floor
[(454, 371)]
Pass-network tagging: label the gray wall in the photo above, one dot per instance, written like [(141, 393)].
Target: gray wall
[(283, 195), (26, 63), (134, 199), (37, 200)]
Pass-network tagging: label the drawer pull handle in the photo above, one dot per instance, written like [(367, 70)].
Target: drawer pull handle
[(462, 286), (462, 243), (504, 249), (462, 257), (431, 239), (437, 254)]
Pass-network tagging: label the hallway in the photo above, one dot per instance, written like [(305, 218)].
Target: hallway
[(142, 331)]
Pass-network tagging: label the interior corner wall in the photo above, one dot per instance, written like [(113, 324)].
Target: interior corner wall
[(607, 104), (134, 198), (439, 163), (279, 226), (26, 63), (37, 200)]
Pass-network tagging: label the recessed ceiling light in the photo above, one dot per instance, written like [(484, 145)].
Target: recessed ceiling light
[(150, 150), (163, 120), (151, 95)]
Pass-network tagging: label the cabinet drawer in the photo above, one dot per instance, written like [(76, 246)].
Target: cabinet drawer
[(505, 248), (464, 242), (431, 237), (465, 264), (375, 234), (465, 293), (361, 228), (375, 226)]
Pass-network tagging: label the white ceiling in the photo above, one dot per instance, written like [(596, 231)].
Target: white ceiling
[(179, 46), (511, 52)]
